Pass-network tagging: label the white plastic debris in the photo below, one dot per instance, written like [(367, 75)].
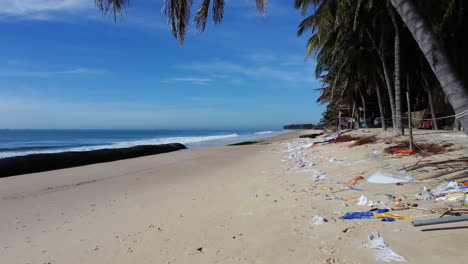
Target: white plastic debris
[(306, 146), (320, 176), (355, 162), (364, 201), (318, 220), (375, 240), (385, 177), (450, 187), (426, 195)]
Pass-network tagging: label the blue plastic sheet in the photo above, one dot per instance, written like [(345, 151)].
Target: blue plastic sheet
[(367, 215), (355, 189)]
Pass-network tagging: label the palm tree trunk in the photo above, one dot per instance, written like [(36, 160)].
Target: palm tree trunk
[(430, 102), (379, 99), (364, 108), (437, 57), (386, 77), (387, 80), (357, 125), (399, 124)]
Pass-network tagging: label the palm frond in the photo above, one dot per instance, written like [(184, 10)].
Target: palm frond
[(114, 7), (218, 11), (202, 15), (178, 15)]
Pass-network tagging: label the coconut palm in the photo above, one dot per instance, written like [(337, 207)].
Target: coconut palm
[(437, 57), (178, 13)]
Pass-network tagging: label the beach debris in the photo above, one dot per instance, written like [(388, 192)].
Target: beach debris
[(450, 187), (201, 249), (373, 214), (439, 220), (353, 181), (320, 176), (345, 138), (354, 189), (376, 241), (363, 200), (364, 140), (456, 197), (355, 162), (385, 177), (426, 194), (318, 220), (422, 149), (330, 138)]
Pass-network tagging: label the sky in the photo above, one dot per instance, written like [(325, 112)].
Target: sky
[(64, 65)]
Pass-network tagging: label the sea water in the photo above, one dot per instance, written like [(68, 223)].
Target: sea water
[(16, 142)]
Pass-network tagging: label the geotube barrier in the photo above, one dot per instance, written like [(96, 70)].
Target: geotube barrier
[(53, 161)]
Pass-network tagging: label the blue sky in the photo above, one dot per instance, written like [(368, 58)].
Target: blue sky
[(64, 65)]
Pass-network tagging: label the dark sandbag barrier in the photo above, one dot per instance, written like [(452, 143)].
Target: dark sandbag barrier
[(53, 161)]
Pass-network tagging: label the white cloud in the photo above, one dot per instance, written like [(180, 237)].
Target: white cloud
[(41, 9), (27, 73), (201, 81), (247, 70)]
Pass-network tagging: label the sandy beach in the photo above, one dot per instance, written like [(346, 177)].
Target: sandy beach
[(233, 204)]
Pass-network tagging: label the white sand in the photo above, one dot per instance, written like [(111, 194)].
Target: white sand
[(227, 204)]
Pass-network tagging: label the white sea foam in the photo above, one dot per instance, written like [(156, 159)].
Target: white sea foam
[(263, 132), (125, 144)]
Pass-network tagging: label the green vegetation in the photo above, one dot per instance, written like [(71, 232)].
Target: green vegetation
[(368, 51), (330, 115)]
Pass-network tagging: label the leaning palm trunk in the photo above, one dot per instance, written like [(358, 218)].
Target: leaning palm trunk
[(437, 57), (379, 99)]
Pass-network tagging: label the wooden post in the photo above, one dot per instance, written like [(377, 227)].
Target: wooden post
[(409, 120)]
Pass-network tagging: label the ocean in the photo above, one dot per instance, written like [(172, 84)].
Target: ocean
[(17, 142)]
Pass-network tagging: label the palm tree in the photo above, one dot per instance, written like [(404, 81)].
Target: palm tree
[(437, 57), (178, 13)]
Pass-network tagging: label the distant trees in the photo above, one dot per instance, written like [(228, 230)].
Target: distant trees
[(351, 39)]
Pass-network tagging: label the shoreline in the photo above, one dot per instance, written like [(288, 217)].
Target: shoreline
[(42, 162), (223, 204)]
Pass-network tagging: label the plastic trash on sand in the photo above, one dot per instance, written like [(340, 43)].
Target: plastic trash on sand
[(426, 194), (375, 240), (385, 177), (373, 214), (318, 220), (456, 197), (320, 176), (364, 201), (450, 187)]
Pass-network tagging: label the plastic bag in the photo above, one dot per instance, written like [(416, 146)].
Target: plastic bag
[(375, 240), (426, 195), (318, 220), (385, 177), (321, 176), (450, 187), (364, 201)]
